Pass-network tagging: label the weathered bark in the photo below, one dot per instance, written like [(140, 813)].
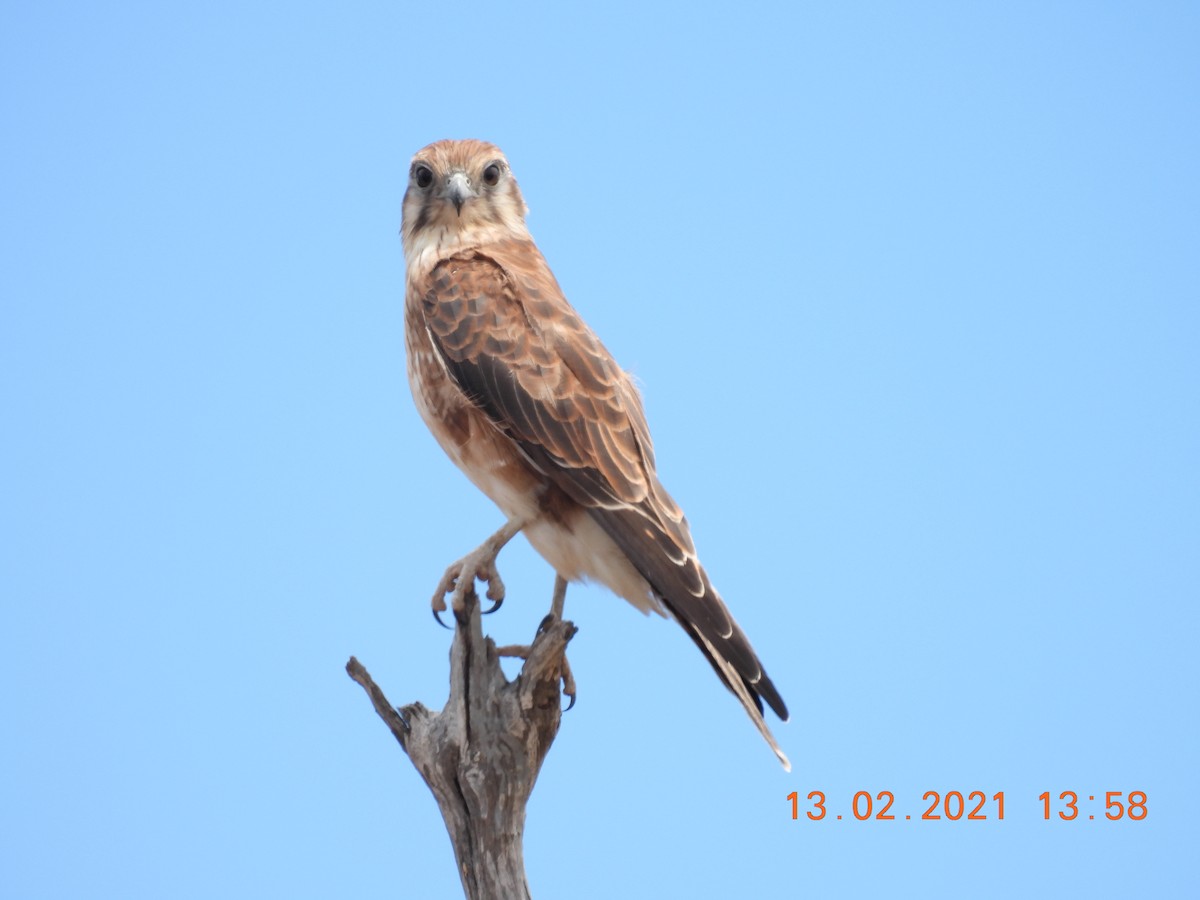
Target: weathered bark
[(481, 754)]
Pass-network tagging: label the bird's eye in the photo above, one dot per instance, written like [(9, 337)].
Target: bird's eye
[(491, 175), (423, 176)]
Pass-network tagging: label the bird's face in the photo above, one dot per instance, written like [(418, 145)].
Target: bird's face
[(460, 192)]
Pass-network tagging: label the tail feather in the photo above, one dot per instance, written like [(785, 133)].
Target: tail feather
[(682, 586), (749, 695)]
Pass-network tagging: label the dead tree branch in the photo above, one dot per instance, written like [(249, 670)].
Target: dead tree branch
[(481, 754)]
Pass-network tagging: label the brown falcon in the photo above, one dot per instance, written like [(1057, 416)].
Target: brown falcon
[(531, 406)]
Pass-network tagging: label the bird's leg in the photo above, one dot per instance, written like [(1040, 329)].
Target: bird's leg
[(560, 596), (479, 563), (556, 611), (555, 615)]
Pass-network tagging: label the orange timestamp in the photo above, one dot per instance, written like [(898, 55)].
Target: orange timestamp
[(1117, 805), (971, 806)]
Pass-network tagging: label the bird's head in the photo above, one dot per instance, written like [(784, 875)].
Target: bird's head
[(460, 193)]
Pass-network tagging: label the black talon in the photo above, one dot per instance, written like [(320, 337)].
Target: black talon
[(569, 705), (437, 615), (495, 606), (545, 623)]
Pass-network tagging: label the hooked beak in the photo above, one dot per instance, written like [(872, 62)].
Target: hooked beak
[(458, 190)]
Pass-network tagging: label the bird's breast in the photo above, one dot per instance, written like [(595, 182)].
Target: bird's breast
[(485, 454)]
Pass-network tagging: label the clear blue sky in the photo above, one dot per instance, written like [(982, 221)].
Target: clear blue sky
[(913, 291)]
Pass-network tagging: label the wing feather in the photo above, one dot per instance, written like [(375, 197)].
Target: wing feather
[(520, 353)]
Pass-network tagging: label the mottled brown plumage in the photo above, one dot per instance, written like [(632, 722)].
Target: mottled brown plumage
[(529, 403)]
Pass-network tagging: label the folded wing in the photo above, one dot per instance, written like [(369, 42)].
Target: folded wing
[(520, 352)]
